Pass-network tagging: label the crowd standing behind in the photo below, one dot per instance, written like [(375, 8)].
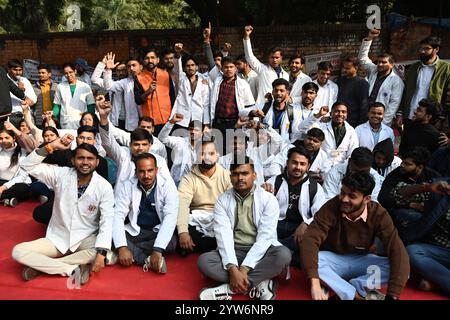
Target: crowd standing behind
[(257, 168)]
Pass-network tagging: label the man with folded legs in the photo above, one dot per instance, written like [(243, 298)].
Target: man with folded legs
[(248, 253)]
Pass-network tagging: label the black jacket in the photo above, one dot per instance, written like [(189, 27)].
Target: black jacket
[(385, 147), (7, 86)]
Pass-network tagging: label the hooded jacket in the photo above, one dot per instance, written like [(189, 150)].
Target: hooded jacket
[(386, 147)]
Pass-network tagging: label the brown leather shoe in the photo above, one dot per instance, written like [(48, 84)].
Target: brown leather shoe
[(30, 273)]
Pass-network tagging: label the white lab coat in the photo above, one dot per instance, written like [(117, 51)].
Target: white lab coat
[(123, 158), (184, 156), (244, 97), (265, 218), (193, 106), (123, 138), (74, 219), (73, 107), (365, 135), (333, 181), (127, 205), (123, 92), (391, 90), (296, 90), (266, 74), (327, 95), (19, 175), (29, 93), (252, 80), (335, 154), (306, 209), (285, 124)]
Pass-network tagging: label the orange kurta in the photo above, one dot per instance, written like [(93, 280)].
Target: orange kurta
[(157, 106)]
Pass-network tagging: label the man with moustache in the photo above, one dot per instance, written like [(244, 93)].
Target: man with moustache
[(45, 90), (412, 170), (299, 197), (428, 78), (247, 73), (328, 90), (154, 91), (336, 247), (340, 137), (198, 192), (279, 113), (374, 130)]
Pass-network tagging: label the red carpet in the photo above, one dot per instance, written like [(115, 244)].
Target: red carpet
[(182, 282)]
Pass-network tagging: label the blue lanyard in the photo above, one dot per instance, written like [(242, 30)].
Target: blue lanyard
[(277, 122)]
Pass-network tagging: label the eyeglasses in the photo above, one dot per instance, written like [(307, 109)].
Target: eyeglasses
[(425, 49)]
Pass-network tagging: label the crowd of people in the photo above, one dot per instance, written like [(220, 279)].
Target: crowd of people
[(255, 168)]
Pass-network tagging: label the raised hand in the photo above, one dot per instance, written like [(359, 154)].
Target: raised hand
[(373, 33), (247, 32), (110, 64), (227, 47), (21, 85), (103, 107), (322, 112), (178, 47), (177, 117), (62, 143), (207, 33)]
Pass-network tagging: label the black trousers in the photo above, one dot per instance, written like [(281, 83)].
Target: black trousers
[(43, 212), (202, 243), (20, 191)]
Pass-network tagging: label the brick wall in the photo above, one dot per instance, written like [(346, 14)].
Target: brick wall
[(57, 48)]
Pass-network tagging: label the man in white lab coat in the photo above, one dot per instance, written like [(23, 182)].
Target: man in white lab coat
[(248, 253), (385, 85), (150, 202), (296, 77), (267, 73), (374, 130), (340, 137), (360, 161), (80, 230)]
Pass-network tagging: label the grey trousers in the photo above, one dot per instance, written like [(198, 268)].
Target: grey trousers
[(271, 265), (141, 246)]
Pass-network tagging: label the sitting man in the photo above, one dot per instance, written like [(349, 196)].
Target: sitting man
[(150, 202), (248, 254), (80, 230), (430, 249), (384, 160), (345, 229), (412, 170), (299, 197), (198, 192), (360, 161), (319, 165)]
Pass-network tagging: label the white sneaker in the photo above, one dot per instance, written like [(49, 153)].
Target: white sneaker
[(222, 292), (42, 199), (162, 265), (265, 290), (10, 202)]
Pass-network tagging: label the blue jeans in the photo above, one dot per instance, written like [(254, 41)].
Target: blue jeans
[(405, 216), (285, 232), (432, 263), (347, 274), (38, 188)]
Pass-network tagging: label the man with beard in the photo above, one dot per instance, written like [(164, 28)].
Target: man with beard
[(420, 131), (193, 96), (198, 192), (336, 246), (412, 170), (307, 102), (296, 77), (154, 91), (340, 137), (145, 217), (247, 73), (299, 197), (427, 78), (184, 153), (374, 130), (172, 64), (267, 73), (80, 231), (385, 86), (279, 113)]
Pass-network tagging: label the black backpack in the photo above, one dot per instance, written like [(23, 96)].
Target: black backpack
[(290, 113), (312, 187)]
